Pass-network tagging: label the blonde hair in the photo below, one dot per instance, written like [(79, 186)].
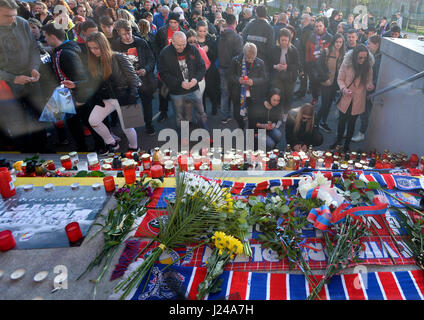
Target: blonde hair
[(307, 108), (105, 58), (144, 27), (124, 14)]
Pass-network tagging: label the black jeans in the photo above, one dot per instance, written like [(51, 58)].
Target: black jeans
[(146, 101), (350, 120), (314, 84), (328, 93), (365, 116), (163, 102)]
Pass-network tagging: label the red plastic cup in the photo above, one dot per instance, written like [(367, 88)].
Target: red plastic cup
[(73, 232), (109, 183), (7, 241)]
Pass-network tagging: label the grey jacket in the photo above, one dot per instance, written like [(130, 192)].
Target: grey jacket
[(19, 51)]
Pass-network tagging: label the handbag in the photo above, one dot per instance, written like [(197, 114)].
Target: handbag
[(130, 116)]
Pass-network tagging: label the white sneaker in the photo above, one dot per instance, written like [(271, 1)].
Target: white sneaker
[(359, 137)]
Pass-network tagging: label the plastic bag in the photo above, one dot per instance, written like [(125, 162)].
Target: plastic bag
[(59, 104)]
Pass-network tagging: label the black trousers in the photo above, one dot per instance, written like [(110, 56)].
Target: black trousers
[(350, 120), (314, 84), (236, 109), (146, 101), (163, 101), (212, 88), (328, 93), (364, 117)]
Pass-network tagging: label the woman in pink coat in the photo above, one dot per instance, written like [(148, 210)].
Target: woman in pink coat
[(354, 80)]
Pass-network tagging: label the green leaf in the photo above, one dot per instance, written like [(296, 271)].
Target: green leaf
[(347, 183), (370, 195), (359, 184), (355, 195), (373, 185)]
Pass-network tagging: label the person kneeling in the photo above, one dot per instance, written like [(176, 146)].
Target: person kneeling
[(267, 115), (300, 130)]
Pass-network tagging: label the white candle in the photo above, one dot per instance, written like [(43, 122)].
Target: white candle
[(216, 164)]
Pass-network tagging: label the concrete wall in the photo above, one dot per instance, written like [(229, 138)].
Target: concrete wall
[(397, 118)]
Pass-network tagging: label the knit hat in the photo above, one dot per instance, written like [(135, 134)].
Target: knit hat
[(174, 16), (180, 12)]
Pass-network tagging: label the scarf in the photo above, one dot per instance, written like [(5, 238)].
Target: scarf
[(243, 89)]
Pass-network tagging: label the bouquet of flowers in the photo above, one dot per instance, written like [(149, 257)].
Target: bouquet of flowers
[(226, 248), (192, 217), (118, 223)]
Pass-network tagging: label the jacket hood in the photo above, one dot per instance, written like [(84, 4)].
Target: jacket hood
[(69, 45), (348, 59)]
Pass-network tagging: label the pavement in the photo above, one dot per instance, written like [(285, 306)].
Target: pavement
[(148, 143)]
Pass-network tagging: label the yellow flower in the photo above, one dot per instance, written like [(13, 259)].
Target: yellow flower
[(220, 252)]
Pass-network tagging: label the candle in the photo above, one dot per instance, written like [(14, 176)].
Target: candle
[(169, 168), (7, 188), (73, 232), (66, 162), (109, 183), (145, 159), (129, 171), (74, 157), (7, 241), (157, 171), (216, 164), (182, 163)]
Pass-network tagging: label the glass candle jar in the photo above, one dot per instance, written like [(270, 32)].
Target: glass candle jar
[(66, 162), (169, 168), (93, 161), (146, 161), (129, 171), (74, 158), (216, 164)]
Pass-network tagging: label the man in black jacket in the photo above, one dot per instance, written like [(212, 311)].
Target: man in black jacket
[(260, 32), (162, 39), (252, 77), (230, 45), (143, 60), (67, 65), (181, 68)]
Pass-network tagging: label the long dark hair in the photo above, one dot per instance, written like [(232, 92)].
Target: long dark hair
[(331, 47), (361, 70)]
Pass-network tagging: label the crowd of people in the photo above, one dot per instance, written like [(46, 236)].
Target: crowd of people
[(112, 53)]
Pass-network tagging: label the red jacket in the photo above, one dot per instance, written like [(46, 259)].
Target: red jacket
[(324, 42)]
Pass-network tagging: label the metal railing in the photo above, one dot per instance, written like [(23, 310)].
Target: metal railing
[(397, 85)]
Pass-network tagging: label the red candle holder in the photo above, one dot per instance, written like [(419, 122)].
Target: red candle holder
[(182, 163), (157, 171), (7, 241), (7, 189), (109, 183), (73, 232), (130, 175)]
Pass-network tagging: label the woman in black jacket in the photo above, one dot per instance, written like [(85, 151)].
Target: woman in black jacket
[(113, 83), (328, 67), (285, 67), (267, 115)]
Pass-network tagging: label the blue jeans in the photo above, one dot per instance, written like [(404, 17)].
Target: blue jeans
[(225, 95), (273, 137), (184, 105)]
